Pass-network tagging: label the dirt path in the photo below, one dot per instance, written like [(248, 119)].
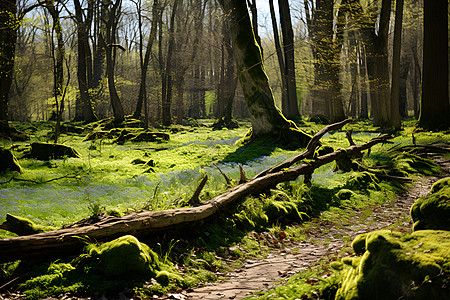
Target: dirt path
[(323, 239)]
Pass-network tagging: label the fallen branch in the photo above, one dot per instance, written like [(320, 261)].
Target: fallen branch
[(69, 241)]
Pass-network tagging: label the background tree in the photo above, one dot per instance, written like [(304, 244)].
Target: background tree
[(435, 108)]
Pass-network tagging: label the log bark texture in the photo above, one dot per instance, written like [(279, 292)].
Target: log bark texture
[(70, 240)]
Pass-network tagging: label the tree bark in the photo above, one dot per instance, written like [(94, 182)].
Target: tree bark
[(83, 106), (435, 107), (156, 16), (289, 59), (8, 37), (111, 26), (69, 240), (395, 86), (265, 117)]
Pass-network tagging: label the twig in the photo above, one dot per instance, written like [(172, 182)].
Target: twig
[(227, 179), (242, 177), (195, 197)]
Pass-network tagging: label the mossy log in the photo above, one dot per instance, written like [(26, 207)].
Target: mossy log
[(46, 151), (65, 241)]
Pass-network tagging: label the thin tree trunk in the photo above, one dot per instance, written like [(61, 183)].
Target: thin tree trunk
[(395, 87), (111, 26), (167, 91), (156, 17), (289, 58)]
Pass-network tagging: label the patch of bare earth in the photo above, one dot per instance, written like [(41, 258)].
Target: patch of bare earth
[(322, 240)]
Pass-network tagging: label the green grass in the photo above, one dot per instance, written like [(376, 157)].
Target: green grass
[(107, 179)]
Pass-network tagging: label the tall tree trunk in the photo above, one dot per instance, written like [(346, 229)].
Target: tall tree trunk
[(83, 106), (435, 108), (111, 26), (156, 17), (279, 51), (167, 77), (8, 38), (266, 118), (395, 87), (289, 60)]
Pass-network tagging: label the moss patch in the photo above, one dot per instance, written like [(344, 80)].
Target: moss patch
[(414, 266), (433, 211)]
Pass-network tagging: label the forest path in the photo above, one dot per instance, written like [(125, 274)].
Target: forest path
[(322, 239)]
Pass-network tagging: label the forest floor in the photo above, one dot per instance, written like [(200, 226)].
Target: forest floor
[(324, 240)]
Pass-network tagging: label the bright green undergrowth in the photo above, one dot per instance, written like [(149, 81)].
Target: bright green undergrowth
[(108, 178)]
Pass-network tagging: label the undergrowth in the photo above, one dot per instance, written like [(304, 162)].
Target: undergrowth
[(133, 176)]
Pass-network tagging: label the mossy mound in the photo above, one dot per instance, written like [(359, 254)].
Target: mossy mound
[(257, 213), (8, 161), (126, 256), (225, 123), (46, 151), (411, 163), (433, 211), (396, 266), (363, 181)]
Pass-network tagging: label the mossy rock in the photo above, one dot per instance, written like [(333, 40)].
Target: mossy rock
[(46, 151), (8, 161), (127, 257), (225, 123), (396, 266), (433, 211), (150, 137), (362, 181)]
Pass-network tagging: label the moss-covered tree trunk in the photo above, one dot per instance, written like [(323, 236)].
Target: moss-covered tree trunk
[(266, 118)]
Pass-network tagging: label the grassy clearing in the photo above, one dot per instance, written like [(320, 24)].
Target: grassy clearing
[(157, 175)]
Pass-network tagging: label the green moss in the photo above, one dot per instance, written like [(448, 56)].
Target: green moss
[(363, 181), (443, 183), (126, 256), (359, 244), (415, 164), (433, 211), (410, 265)]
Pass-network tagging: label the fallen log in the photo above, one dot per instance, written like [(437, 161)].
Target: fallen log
[(70, 240)]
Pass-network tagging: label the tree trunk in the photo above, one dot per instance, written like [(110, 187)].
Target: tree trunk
[(111, 26), (289, 60), (156, 16), (395, 87), (67, 241), (435, 108), (284, 85), (266, 118), (8, 37), (167, 75), (83, 106)]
